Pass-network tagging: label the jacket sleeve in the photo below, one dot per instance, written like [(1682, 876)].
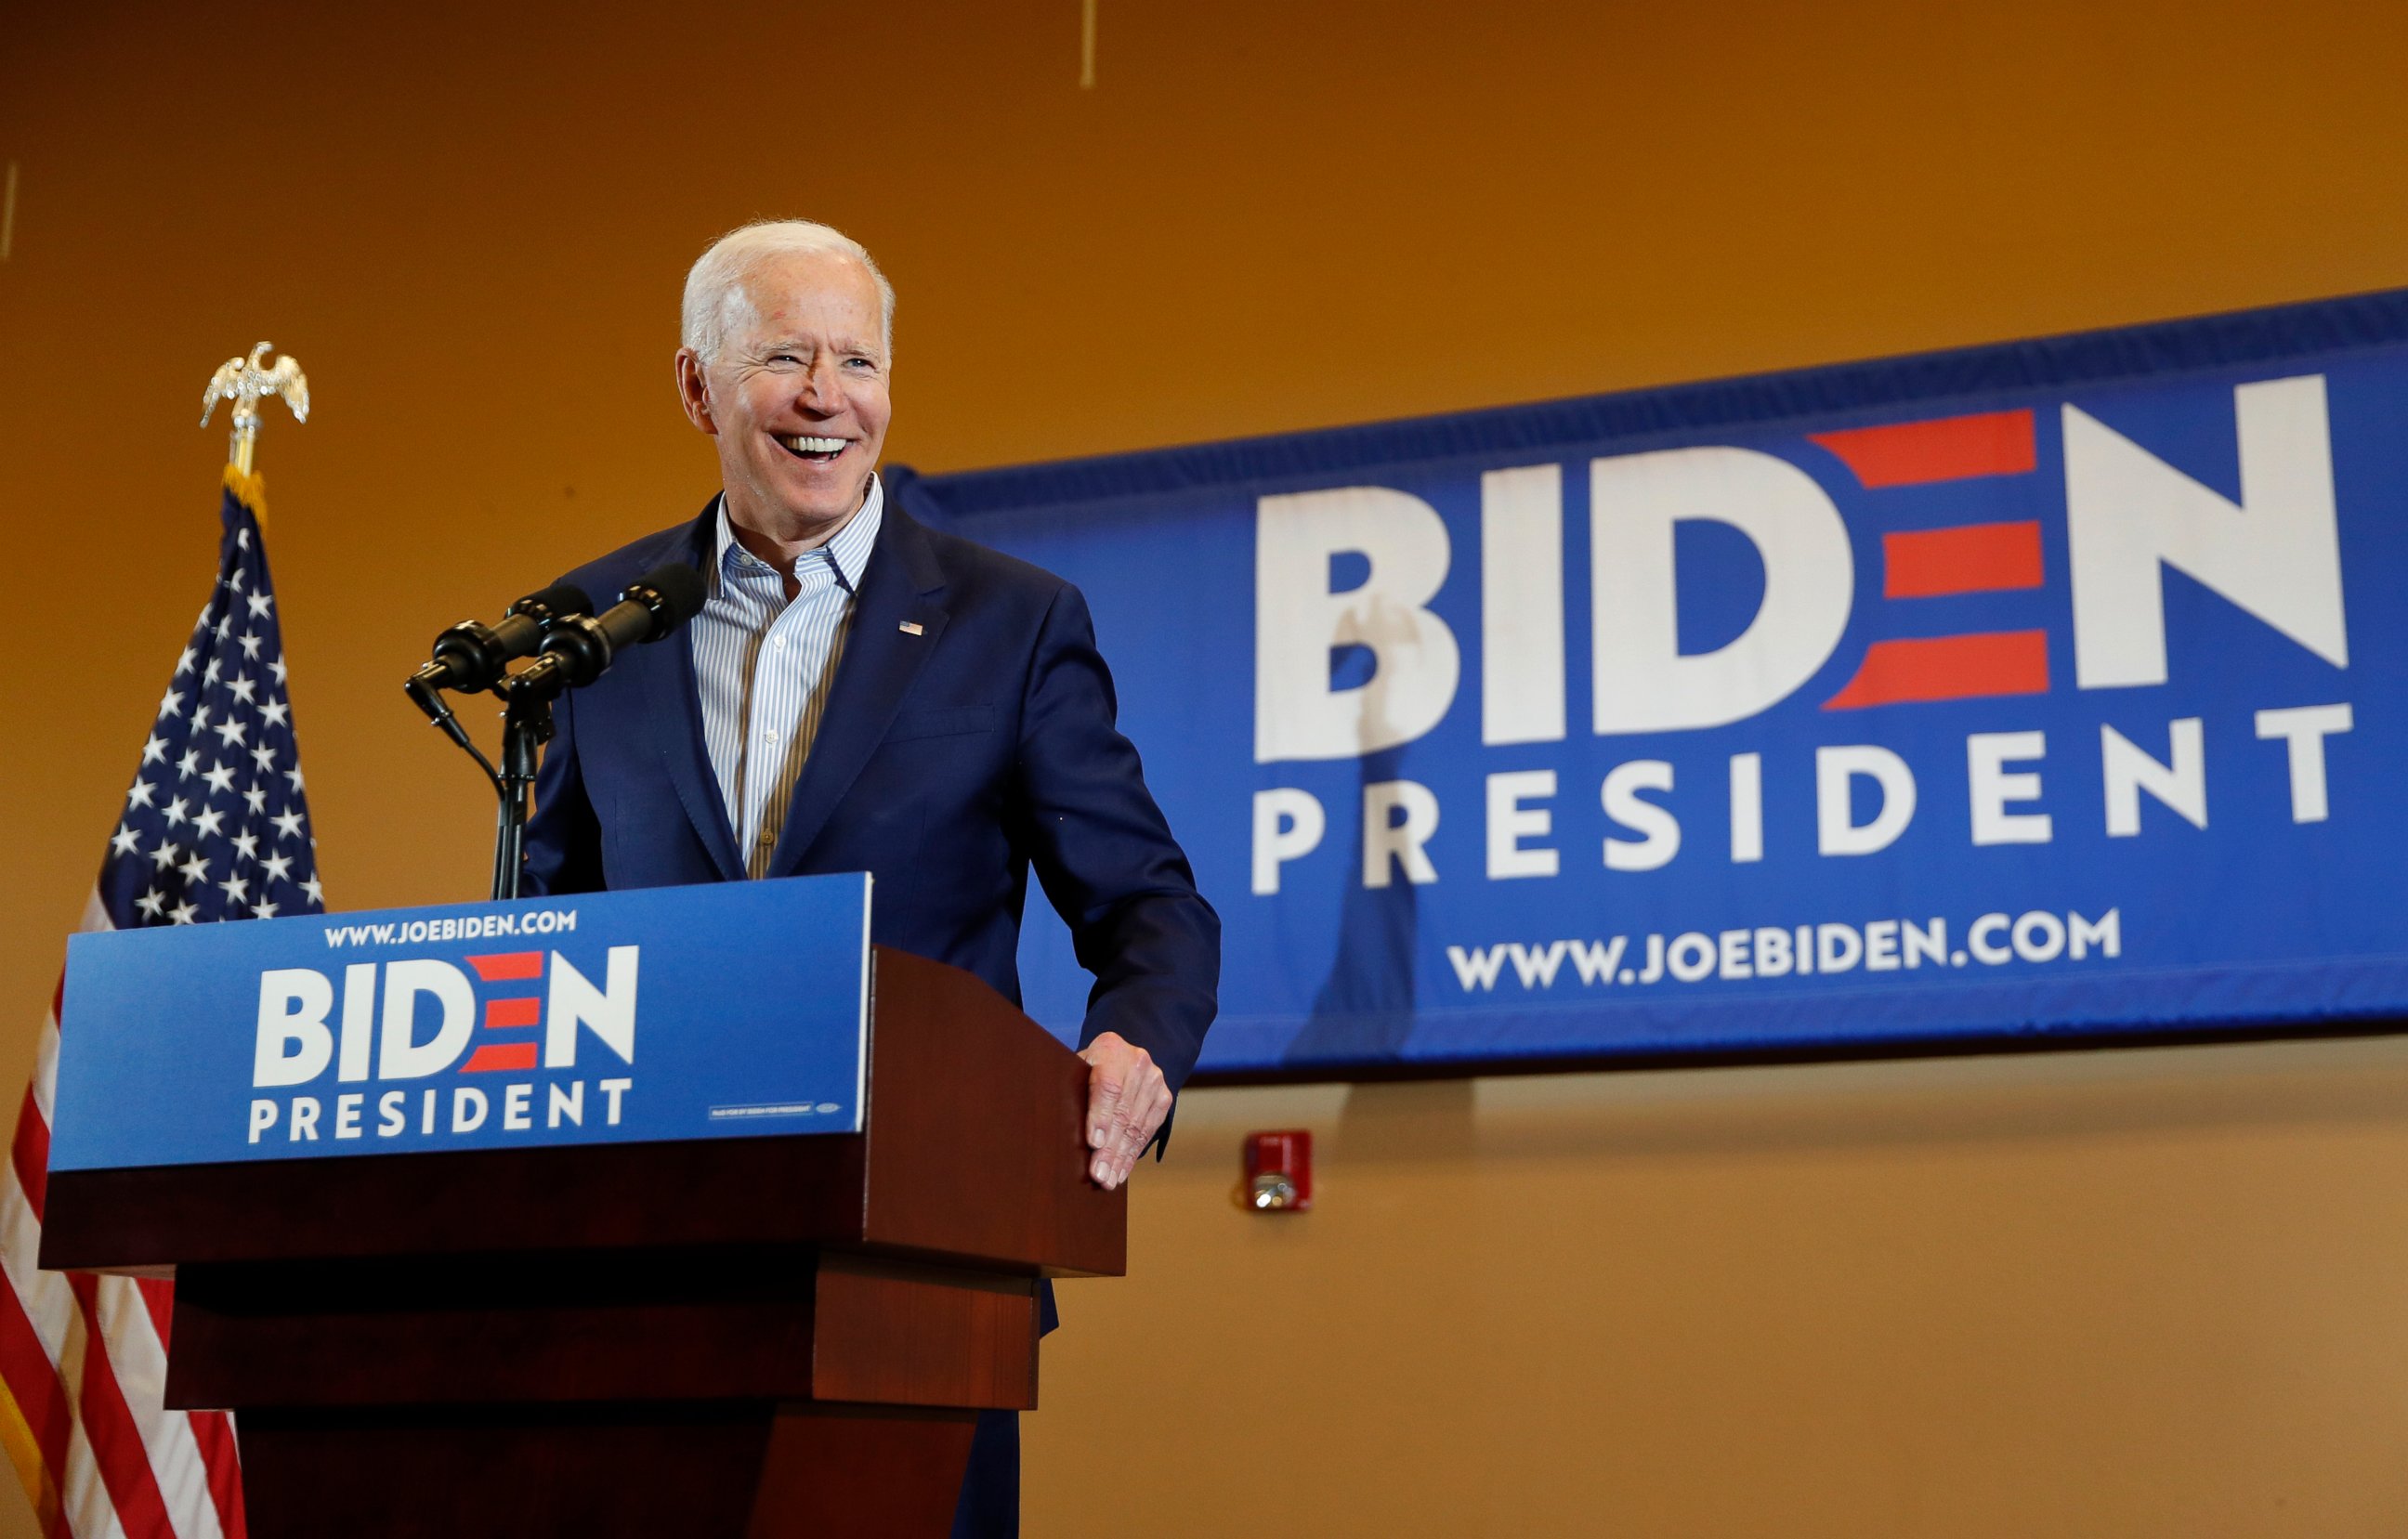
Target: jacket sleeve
[(564, 839), (1105, 857)]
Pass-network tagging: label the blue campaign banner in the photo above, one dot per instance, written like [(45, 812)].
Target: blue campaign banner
[(2046, 688), (664, 1013)]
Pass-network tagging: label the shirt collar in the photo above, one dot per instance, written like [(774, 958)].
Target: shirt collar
[(847, 550)]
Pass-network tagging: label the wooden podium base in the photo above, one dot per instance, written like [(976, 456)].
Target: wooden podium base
[(641, 1471), (653, 1396)]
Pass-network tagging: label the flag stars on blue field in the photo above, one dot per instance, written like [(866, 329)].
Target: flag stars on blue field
[(216, 825)]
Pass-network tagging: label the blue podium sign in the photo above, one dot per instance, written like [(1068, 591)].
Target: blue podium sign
[(665, 1014)]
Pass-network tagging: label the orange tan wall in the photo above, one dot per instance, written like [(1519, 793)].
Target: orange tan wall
[(2132, 1294)]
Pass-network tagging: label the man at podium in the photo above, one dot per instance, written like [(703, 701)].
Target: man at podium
[(861, 692)]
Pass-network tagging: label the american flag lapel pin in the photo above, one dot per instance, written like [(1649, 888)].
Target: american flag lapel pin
[(911, 627)]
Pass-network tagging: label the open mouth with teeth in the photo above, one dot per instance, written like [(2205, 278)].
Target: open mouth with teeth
[(815, 451)]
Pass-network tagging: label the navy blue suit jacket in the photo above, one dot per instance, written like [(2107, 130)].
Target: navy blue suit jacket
[(950, 759)]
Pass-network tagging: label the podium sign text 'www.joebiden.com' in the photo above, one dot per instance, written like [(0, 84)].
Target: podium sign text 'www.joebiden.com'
[(672, 1013)]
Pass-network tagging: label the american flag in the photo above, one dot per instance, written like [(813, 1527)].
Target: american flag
[(214, 827)]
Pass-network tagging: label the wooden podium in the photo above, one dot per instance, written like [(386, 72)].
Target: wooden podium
[(751, 1336)]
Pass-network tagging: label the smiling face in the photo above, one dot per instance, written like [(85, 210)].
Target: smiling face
[(797, 399)]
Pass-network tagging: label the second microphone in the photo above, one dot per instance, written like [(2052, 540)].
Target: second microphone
[(577, 648)]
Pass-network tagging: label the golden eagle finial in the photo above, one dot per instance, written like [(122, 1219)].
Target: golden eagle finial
[(245, 382)]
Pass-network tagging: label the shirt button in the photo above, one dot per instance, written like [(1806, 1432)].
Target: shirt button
[(768, 737), (778, 642)]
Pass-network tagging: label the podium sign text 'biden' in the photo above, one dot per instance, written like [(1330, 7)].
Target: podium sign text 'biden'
[(673, 1013)]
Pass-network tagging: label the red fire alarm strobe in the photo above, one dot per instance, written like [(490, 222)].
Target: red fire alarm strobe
[(1278, 1172)]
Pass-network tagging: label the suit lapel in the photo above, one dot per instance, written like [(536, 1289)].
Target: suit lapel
[(901, 584), (674, 718)]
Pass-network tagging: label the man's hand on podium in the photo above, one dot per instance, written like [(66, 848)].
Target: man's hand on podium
[(1128, 1098)]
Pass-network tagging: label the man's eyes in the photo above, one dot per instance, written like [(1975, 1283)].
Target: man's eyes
[(859, 363)]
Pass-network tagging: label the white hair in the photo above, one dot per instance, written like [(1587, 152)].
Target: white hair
[(716, 303)]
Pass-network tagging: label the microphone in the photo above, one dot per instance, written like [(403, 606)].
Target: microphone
[(471, 656), (578, 649)]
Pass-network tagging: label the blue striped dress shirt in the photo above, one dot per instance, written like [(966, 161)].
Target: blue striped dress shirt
[(764, 665)]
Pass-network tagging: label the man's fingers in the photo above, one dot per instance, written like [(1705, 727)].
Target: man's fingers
[(1128, 1099), (1124, 1124), (1146, 1115), (1104, 1091), (1103, 1106), (1120, 1153), (1147, 1105)]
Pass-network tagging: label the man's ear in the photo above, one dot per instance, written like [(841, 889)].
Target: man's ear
[(693, 391)]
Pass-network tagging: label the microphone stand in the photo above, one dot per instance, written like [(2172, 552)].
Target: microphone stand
[(526, 727)]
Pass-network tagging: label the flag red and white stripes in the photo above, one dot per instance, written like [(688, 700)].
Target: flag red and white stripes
[(83, 1364)]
